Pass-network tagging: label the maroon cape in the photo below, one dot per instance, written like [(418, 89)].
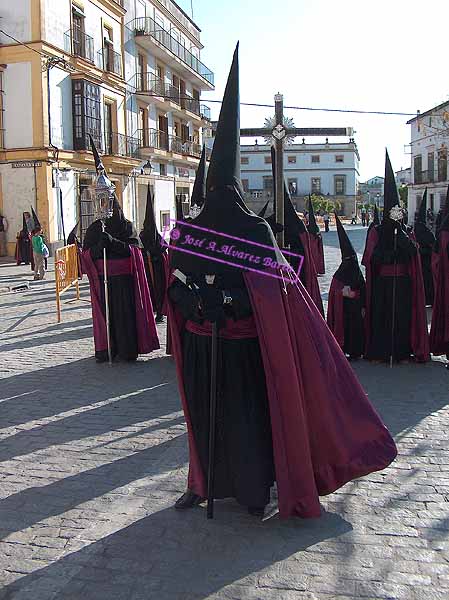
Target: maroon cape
[(316, 245), (325, 431), (311, 281), (419, 337), (439, 332), (147, 339)]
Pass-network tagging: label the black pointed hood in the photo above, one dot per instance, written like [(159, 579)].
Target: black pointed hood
[(349, 272), (391, 194), (150, 236), (421, 217), (232, 237), (346, 247), (73, 237), (24, 224), (224, 167), (312, 228), (98, 162), (264, 210), (199, 187), (35, 219)]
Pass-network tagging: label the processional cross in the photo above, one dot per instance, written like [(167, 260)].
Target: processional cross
[(279, 135)]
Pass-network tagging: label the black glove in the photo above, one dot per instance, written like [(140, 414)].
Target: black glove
[(212, 308)]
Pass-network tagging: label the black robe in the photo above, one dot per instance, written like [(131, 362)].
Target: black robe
[(24, 250), (426, 241), (244, 467), (382, 341), (122, 310)]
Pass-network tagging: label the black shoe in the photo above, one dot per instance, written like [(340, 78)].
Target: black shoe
[(256, 511), (188, 500), (159, 319)]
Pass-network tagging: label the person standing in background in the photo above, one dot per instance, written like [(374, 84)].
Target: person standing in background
[(3, 230), (40, 253), (363, 217), (326, 219)]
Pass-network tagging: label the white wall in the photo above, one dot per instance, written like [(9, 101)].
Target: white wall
[(18, 196), (61, 109), (67, 185), (18, 106), (16, 20), (56, 22)]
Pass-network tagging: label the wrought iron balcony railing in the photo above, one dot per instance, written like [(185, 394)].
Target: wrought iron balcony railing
[(121, 145), (160, 140), (153, 85), (424, 177), (78, 43), (205, 112), (110, 61), (146, 26)]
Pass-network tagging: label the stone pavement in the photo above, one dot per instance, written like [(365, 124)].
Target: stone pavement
[(93, 457)]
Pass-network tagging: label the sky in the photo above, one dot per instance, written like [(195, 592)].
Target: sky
[(388, 55)]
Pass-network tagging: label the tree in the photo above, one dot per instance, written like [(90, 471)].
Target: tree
[(322, 203)]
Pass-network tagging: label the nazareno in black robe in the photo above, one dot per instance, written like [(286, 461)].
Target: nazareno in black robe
[(383, 260), (244, 467), (121, 287)]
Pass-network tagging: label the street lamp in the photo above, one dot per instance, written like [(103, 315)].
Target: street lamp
[(146, 168)]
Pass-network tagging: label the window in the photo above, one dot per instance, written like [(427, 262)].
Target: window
[(267, 160), (340, 185), (417, 169), (86, 98), (245, 184), (442, 164), (339, 158), (268, 183), (315, 158), (316, 185), (430, 167), (107, 123), (291, 160), (165, 219), (162, 169), (142, 73), (293, 187), (244, 160)]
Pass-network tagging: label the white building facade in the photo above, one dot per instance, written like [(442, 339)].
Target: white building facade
[(127, 72), (329, 169), (429, 154)]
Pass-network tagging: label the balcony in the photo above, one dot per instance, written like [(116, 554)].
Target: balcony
[(80, 44), (147, 29), (110, 61), (160, 140), (205, 112), (424, 177), (117, 144), (150, 85)]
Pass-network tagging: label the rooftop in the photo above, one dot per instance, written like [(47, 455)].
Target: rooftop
[(429, 112)]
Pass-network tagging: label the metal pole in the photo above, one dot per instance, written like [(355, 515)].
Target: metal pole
[(212, 422), (106, 298), (279, 167)]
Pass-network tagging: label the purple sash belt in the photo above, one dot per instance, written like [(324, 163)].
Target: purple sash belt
[(391, 270), (234, 330)]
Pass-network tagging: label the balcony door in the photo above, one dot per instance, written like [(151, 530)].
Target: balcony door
[(141, 76), (107, 120), (79, 47), (182, 93), (143, 126), (163, 132)]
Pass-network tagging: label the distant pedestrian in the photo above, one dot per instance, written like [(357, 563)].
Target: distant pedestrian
[(368, 218), (40, 253), (326, 219), (3, 230), (29, 222), (353, 219), (363, 217)]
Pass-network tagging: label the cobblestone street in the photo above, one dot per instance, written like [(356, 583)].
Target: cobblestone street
[(92, 459)]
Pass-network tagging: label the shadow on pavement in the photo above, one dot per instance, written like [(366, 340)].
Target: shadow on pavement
[(172, 556)]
